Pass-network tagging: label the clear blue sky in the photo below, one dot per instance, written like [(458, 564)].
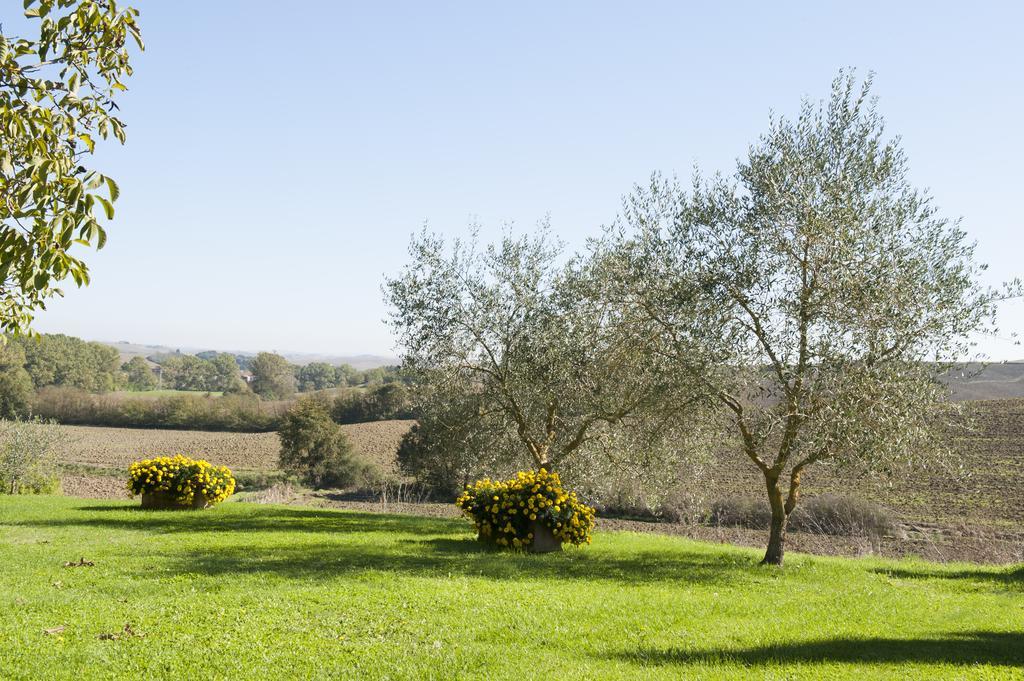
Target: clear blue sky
[(280, 154)]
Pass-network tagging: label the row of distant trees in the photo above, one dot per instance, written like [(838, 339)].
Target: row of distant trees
[(29, 363), (272, 375)]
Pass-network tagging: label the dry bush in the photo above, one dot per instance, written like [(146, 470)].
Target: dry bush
[(752, 514), (850, 516), (278, 493), (27, 464), (826, 514)]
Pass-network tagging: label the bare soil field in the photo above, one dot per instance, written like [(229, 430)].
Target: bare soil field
[(983, 485), (97, 458)]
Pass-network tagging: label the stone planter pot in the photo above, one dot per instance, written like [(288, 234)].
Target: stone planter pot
[(544, 540), (166, 501)]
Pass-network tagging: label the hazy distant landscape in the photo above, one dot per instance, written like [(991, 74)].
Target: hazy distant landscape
[(365, 361), (993, 381)]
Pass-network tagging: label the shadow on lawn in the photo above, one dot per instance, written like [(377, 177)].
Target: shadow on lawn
[(324, 544), (256, 518), (441, 556), (1009, 577), (966, 648)]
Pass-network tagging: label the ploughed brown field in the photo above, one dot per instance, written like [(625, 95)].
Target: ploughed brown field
[(970, 507), (96, 457)]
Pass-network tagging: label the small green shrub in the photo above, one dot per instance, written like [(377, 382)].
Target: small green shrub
[(316, 449), (27, 451)]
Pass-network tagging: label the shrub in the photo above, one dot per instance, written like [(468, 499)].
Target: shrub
[(505, 512), (824, 514), (15, 382), (26, 457), (316, 449), (452, 445), (384, 403), (753, 514), (837, 515), (182, 478)]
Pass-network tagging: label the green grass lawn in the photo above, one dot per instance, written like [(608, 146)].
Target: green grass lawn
[(249, 591)]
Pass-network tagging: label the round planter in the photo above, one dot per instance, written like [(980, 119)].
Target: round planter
[(167, 501), (544, 540)]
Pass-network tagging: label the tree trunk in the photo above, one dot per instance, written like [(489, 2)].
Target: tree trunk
[(777, 534)]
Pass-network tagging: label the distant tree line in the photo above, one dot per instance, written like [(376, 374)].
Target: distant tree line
[(245, 413), (191, 372), (56, 359), (82, 369)]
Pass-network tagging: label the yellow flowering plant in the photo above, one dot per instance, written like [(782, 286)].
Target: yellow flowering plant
[(188, 482), (508, 513)]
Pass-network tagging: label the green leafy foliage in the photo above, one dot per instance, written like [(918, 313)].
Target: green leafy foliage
[(57, 98), (15, 383), (188, 372), (318, 376), (451, 445), (813, 297), (27, 452), (244, 413), (56, 359), (138, 375), (383, 403), (273, 376), (530, 335), (316, 449)]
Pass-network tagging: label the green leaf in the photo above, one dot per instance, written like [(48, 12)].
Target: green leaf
[(115, 191), (108, 207)]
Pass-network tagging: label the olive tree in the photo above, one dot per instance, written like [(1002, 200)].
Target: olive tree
[(528, 335), (813, 296), (57, 98)]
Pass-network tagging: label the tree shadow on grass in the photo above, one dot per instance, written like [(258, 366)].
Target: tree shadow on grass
[(256, 518), (325, 543), (1008, 577), (447, 556), (964, 648)]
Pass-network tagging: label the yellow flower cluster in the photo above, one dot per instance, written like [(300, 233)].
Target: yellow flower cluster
[(181, 477), (507, 512)]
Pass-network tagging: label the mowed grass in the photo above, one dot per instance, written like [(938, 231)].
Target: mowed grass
[(250, 591)]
